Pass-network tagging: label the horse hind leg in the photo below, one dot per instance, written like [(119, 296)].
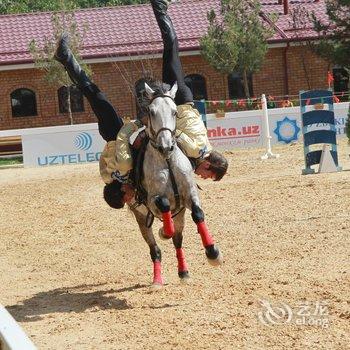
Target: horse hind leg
[(212, 252), (155, 252), (182, 268), (168, 229), (156, 256)]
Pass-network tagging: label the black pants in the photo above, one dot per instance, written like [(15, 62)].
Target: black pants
[(109, 122), (172, 68)]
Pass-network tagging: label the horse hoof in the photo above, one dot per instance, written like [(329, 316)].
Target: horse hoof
[(162, 236), (183, 274), (156, 286), (184, 277), (214, 255), (216, 262)]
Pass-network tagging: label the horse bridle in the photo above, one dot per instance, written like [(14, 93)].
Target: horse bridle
[(154, 134)]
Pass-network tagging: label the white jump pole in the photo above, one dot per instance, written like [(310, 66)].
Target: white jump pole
[(12, 337), (268, 153)]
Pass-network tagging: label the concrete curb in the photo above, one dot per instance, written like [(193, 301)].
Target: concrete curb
[(12, 336)]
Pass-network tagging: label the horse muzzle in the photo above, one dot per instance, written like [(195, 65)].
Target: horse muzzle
[(166, 152)]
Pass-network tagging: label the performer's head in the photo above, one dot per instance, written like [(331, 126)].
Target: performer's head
[(113, 195), (214, 166)]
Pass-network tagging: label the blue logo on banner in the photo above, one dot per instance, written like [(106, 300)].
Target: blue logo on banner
[(287, 130), (83, 141)]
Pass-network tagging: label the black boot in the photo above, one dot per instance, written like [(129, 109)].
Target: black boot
[(165, 24), (65, 56), (160, 6)]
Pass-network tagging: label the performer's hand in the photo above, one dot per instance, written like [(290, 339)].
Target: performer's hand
[(138, 141), (129, 192)]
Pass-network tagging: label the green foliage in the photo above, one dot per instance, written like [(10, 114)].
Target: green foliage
[(220, 46), (21, 6), (334, 43), (238, 40), (11, 161)]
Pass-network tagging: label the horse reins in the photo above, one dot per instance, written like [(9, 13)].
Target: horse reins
[(174, 184)]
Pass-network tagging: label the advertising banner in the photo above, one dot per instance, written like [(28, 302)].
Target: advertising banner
[(65, 147), (228, 132), (245, 129)]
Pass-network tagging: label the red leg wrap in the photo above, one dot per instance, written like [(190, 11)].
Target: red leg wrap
[(207, 239), (168, 224), (157, 273), (181, 262)]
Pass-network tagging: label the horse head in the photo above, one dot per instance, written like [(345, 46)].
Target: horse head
[(162, 119)]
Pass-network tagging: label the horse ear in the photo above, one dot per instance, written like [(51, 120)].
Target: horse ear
[(173, 90), (149, 91)]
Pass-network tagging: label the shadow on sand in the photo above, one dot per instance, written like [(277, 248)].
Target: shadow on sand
[(69, 299)]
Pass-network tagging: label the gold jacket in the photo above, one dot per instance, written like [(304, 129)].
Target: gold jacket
[(116, 159), (191, 132)]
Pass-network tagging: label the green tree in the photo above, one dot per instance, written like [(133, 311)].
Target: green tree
[(237, 40), (334, 43), (22, 6), (43, 56)]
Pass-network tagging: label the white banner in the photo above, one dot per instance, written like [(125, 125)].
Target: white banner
[(56, 147), (245, 129)]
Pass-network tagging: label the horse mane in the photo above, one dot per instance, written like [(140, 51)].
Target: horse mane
[(142, 97), (156, 85), (146, 70)]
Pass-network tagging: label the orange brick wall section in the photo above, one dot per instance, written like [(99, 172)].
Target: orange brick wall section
[(305, 71)]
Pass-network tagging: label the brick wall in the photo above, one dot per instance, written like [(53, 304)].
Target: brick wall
[(305, 71)]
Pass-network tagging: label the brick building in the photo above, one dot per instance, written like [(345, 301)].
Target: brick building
[(123, 41)]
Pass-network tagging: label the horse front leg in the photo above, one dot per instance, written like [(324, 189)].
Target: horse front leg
[(155, 252), (182, 269), (163, 205), (211, 250)]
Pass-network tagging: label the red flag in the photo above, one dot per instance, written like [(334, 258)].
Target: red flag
[(330, 78)]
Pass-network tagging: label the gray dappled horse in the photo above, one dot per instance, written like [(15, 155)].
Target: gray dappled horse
[(169, 182)]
